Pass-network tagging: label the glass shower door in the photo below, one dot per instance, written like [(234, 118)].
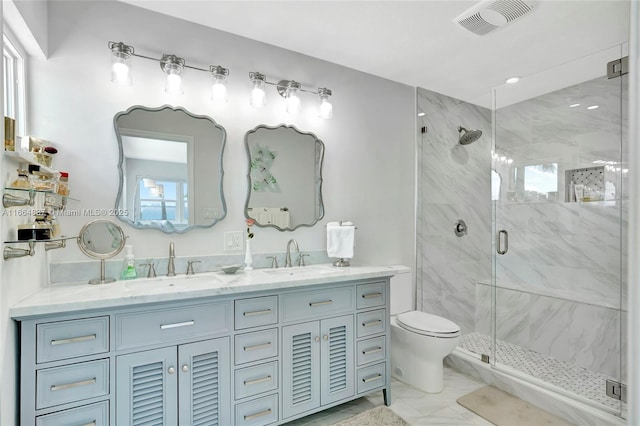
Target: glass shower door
[(559, 167)]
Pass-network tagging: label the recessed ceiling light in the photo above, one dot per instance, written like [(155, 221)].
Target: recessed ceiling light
[(512, 80), (593, 107), (421, 114), (573, 105)]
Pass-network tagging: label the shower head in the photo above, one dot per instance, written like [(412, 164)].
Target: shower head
[(469, 136)]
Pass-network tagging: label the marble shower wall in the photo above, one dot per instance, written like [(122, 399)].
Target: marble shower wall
[(453, 183)]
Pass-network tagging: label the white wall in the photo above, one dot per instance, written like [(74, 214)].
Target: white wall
[(368, 167)]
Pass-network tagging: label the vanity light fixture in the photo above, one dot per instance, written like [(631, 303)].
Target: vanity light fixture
[(219, 84), (121, 63), (171, 65), (290, 90)]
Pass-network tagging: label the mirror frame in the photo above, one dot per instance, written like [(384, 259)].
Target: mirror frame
[(319, 177), (158, 227)]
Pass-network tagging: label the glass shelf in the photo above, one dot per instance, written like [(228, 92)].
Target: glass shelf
[(29, 158), (40, 191), (50, 244)]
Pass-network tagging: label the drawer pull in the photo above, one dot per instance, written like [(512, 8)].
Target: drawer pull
[(371, 323), (254, 313), (73, 340), (256, 381), (73, 385), (177, 324), (370, 295), (325, 302), (371, 379), (93, 423), (256, 415), (260, 346), (372, 351)]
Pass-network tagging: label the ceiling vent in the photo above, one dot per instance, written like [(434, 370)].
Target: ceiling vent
[(489, 15)]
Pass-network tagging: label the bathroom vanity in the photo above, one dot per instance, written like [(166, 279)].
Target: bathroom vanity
[(254, 348)]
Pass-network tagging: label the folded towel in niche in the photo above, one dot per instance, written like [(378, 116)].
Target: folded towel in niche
[(340, 239)]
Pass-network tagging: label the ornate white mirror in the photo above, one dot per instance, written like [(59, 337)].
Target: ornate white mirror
[(285, 177), (170, 169)]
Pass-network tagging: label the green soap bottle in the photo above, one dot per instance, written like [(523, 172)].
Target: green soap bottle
[(129, 267)]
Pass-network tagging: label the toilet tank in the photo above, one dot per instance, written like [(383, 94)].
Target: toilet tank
[(402, 291)]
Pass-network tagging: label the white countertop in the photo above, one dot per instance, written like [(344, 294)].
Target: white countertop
[(77, 296)]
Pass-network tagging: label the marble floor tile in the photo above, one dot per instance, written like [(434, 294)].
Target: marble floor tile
[(413, 405)]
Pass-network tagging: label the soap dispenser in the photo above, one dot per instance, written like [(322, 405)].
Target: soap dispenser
[(129, 267)]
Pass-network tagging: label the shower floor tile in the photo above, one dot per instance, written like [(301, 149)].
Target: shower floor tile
[(571, 378)]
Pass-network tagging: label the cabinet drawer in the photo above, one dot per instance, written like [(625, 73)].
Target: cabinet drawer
[(256, 312), (162, 325), (89, 415), (371, 322), (70, 339), (370, 295), (371, 350), (255, 346), (371, 377), (71, 383), (254, 380), (317, 303), (261, 411)]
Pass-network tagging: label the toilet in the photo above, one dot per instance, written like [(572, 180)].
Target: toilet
[(419, 341)]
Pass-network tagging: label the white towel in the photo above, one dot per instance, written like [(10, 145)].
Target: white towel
[(340, 239)]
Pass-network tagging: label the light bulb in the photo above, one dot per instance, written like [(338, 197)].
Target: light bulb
[(293, 102), (218, 85), (326, 108), (219, 93), (172, 67), (174, 83), (121, 63), (258, 96)]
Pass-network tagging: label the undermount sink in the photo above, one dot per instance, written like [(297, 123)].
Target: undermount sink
[(303, 270), (177, 281)]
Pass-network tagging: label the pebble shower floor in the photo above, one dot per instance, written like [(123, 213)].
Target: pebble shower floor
[(564, 375)]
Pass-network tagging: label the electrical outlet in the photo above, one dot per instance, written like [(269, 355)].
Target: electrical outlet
[(233, 241)]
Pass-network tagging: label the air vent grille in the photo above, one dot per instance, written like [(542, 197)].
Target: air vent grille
[(489, 15)]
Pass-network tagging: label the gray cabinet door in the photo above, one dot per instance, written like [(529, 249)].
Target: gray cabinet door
[(300, 368), (204, 386), (146, 388), (337, 359)]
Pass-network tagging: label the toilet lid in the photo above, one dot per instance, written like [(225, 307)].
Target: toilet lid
[(424, 323)]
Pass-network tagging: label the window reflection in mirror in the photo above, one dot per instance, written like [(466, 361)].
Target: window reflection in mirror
[(284, 177), (171, 169)]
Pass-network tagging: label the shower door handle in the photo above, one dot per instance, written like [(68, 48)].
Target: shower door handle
[(506, 241)]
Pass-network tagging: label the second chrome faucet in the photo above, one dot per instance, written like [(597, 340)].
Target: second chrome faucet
[(171, 268)]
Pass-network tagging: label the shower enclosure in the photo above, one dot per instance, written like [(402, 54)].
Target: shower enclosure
[(538, 282)]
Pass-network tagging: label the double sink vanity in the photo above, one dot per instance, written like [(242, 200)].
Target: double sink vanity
[(253, 348)]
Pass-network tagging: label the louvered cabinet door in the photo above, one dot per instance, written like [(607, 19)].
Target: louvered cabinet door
[(336, 359), (204, 387), (147, 388), (300, 368)]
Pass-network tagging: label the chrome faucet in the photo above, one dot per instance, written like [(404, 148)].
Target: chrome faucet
[(171, 269), (287, 261)]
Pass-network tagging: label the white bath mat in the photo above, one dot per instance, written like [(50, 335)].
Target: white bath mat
[(503, 409)]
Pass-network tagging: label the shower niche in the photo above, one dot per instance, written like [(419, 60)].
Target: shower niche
[(590, 184)]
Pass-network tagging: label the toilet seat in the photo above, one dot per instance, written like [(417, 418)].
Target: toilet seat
[(428, 324)]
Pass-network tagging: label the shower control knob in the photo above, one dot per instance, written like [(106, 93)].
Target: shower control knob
[(461, 228)]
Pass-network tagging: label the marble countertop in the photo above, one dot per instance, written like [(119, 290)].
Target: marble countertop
[(78, 296)]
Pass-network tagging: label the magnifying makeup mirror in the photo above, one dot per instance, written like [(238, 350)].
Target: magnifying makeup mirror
[(101, 239)]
